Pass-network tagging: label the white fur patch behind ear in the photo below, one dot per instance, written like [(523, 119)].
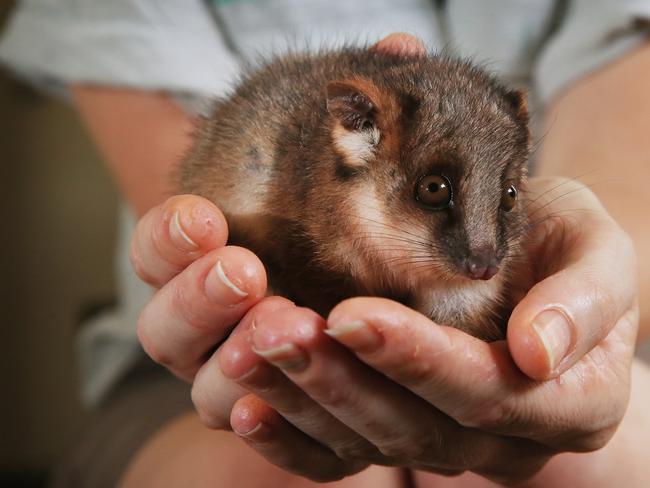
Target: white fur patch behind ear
[(357, 147)]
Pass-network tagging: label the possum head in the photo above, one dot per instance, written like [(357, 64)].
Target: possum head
[(430, 158)]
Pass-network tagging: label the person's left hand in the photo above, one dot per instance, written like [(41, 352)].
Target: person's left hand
[(394, 388)]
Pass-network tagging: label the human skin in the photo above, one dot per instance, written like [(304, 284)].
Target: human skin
[(160, 274), (358, 414)]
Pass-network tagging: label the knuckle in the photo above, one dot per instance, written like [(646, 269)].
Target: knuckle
[(592, 442), (417, 371), (145, 341), (626, 250), (209, 416), (140, 268), (322, 470), (407, 450), (157, 355), (335, 395), (329, 472), (290, 460), (625, 242), (176, 200), (416, 374), (185, 200), (191, 307), (178, 301), (356, 449), (295, 406), (150, 345), (326, 477), (489, 416), (530, 459), (330, 397), (451, 473), (160, 240), (329, 477)]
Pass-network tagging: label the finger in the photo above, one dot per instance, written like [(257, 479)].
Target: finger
[(293, 341), (459, 374), (196, 310), (591, 285), (285, 446), (174, 234), (404, 428), (401, 44), (472, 381), (213, 393), (237, 361)]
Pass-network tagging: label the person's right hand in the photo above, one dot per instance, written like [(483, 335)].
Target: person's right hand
[(208, 293), (204, 289)]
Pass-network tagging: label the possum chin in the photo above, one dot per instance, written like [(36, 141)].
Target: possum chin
[(469, 305)]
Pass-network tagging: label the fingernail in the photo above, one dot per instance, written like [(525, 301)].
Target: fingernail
[(554, 332), (178, 235), (249, 432), (356, 335), (259, 378), (221, 289), (244, 377), (226, 281), (287, 356)]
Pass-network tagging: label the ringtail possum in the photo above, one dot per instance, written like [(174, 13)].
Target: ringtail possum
[(356, 172)]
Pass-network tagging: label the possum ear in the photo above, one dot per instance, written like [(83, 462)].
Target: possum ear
[(517, 100), (353, 105)]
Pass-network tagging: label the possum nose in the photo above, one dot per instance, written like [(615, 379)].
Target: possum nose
[(482, 265)]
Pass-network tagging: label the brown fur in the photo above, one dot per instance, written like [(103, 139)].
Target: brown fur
[(291, 156)]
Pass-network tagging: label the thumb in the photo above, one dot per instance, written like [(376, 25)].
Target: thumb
[(568, 313), (401, 44)]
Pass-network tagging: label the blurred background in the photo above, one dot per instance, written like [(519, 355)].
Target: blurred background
[(58, 211)]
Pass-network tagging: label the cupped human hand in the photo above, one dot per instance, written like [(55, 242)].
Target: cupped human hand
[(204, 289), (208, 294), (379, 383), (331, 404)]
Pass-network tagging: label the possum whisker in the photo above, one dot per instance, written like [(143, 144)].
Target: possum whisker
[(554, 199), (411, 257), (395, 245), (399, 233), (385, 225), (390, 244), (532, 225), (407, 259), (559, 185), (559, 213), (369, 235)]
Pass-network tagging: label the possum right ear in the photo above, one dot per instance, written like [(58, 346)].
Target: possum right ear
[(353, 105), (518, 103)]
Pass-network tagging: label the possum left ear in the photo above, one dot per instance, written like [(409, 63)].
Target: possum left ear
[(353, 105), (350, 102)]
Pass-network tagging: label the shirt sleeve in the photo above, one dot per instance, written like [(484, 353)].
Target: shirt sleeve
[(169, 45), (592, 34)]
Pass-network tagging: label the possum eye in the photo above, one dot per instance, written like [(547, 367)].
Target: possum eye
[(509, 198), (434, 191)]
